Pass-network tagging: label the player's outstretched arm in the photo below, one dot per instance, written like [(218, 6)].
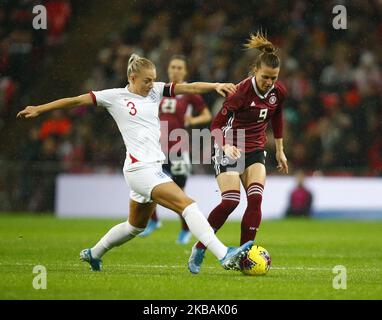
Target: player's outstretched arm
[(204, 87), (34, 111), (204, 117)]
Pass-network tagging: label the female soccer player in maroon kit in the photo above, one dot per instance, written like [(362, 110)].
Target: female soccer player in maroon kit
[(257, 101), (174, 113)]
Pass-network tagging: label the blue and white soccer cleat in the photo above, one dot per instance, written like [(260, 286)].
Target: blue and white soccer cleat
[(196, 259), (231, 261), (95, 264), (184, 237), (151, 226)]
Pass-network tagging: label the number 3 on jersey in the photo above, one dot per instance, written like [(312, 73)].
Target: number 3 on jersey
[(168, 106), (132, 111), (262, 115)]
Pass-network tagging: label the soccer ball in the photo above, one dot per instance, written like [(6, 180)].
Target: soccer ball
[(256, 262)]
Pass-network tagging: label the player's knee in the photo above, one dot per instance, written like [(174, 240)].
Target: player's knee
[(182, 204), (186, 202)]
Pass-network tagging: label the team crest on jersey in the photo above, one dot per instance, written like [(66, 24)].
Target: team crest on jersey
[(152, 95), (224, 161), (160, 175), (272, 100)]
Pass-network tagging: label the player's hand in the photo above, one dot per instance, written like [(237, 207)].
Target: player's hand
[(282, 164), (225, 88), (188, 121), (28, 112), (232, 152)]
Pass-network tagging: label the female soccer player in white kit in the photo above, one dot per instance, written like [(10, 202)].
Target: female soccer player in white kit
[(135, 110)]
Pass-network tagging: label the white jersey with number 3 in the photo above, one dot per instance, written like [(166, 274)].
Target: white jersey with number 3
[(137, 119)]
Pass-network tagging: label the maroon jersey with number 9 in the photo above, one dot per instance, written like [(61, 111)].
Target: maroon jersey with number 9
[(248, 109)]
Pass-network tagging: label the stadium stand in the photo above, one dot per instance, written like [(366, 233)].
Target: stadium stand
[(332, 115)]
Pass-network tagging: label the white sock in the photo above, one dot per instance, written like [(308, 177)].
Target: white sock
[(201, 229), (116, 236)]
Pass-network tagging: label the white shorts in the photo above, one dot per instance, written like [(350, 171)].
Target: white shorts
[(142, 178)]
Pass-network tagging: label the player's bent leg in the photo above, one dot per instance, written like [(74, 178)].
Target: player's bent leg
[(171, 196), (229, 185), (119, 234), (253, 180), (140, 213)]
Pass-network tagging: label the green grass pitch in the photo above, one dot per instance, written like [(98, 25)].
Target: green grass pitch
[(303, 256)]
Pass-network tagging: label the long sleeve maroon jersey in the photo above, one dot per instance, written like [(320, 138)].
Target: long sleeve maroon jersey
[(251, 111)]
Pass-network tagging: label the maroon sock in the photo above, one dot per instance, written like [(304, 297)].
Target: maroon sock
[(252, 216), (219, 215), (184, 224), (154, 216)]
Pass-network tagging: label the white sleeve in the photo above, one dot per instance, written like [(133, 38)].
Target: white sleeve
[(158, 89), (103, 98)]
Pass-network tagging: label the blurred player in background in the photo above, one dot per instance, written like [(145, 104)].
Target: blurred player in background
[(257, 101), (300, 199), (177, 113), (135, 110)]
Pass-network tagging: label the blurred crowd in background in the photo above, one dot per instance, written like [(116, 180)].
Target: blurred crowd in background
[(23, 48), (333, 77), (23, 51)]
